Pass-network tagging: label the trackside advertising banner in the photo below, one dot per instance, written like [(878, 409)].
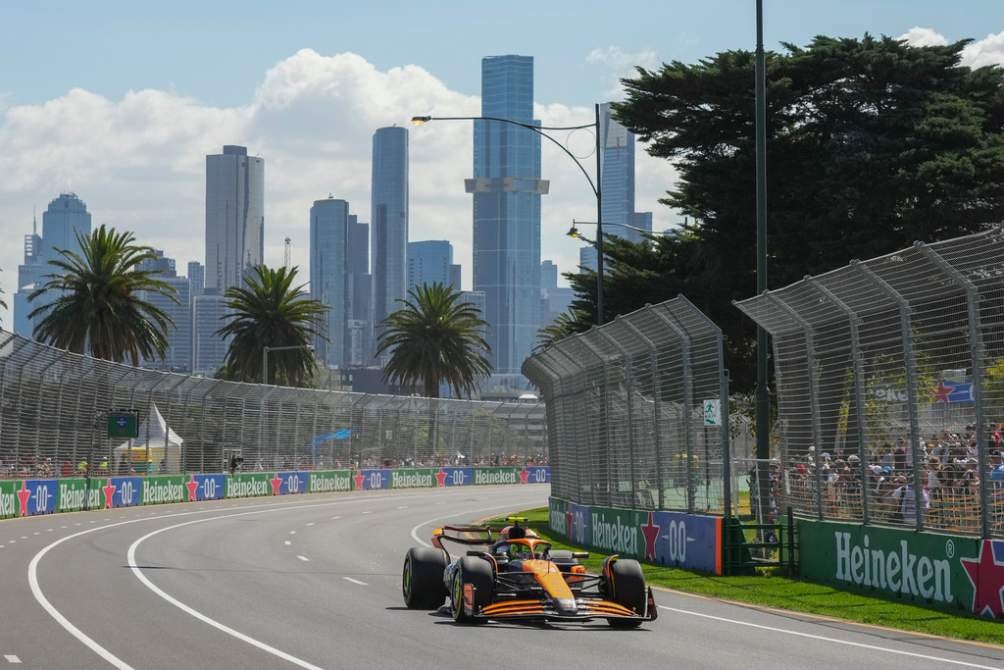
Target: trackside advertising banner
[(691, 541), (946, 571), (29, 497)]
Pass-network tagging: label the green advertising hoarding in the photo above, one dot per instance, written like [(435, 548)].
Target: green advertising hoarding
[(249, 484), (616, 531), (496, 475), (8, 499), (413, 478), (164, 489), (325, 481), (926, 568)]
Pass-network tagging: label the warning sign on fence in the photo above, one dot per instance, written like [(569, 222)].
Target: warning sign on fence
[(712, 412)]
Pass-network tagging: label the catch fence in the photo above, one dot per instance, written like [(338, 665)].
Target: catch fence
[(53, 406), (890, 387), (635, 410)]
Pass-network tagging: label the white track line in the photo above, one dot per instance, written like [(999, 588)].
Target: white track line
[(287, 542), (335, 518), (310, 523), (84, 639), (823, 638), (303, 558), (11, 658), (355, 581)]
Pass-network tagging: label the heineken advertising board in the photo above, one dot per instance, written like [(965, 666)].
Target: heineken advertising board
[(326, 481), (368, 479), (164, 489), (8, 501), (690, 541), (946, 571), (250, 485)]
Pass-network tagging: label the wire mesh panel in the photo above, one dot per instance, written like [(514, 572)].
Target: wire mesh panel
[(635, 411), (890, 379), (54, 406)]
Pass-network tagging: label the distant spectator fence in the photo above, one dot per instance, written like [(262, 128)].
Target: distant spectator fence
[(635, 412), (53, 408), (890, 387)]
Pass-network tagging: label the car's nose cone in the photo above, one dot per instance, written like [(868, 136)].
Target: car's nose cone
[(566, 605)]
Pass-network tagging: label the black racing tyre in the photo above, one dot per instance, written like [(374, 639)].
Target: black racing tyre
[(627, 588), (477, 572), (422, 578)]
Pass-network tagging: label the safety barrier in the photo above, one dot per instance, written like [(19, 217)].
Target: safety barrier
[(29, 497), (677, 539)]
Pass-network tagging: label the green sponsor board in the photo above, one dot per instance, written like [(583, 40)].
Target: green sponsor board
[(496, 475), (616, 531), (330, 480), (8, 499), (413, 478), (164, 489), (72, 494), (556, 519), (907, 565), (249, 484)]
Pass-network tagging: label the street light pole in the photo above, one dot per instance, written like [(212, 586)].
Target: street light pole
[(595, 186), (762, 399)]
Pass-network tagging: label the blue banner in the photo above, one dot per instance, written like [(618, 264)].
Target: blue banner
[(38, 496), (291, 482), (952, 392), (207, 487), (128, 491), (688, 541), (450, 476), (538, 474), (369, 479)]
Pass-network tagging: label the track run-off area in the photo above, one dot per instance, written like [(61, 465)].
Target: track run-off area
[(315, 582)]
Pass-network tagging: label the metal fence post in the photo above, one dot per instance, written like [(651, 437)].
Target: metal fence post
[(810, 365), (977, 352), (905, 312), (857, 363)]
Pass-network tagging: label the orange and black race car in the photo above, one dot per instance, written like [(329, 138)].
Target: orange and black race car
[(517, 576)]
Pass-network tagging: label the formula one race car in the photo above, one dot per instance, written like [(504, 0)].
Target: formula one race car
[(519, 577)]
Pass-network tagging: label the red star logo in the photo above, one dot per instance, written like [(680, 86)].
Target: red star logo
[(651, 532), (193, 487), (276, 484), (109, 490), (942, 392), (986, 574), (524, 476), (441, 478), (22, 498), (359, 479)]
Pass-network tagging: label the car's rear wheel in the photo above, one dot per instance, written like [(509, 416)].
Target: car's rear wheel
[(422, 578), (476, 572), (626, 586)]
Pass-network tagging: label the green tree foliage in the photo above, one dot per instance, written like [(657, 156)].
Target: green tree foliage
[(97, 308), (269, 311), (872, 144), (435, 337)]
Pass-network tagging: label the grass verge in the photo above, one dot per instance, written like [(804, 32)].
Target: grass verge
[(774, 590)]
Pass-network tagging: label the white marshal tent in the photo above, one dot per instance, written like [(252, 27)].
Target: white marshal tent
[(158, 447)]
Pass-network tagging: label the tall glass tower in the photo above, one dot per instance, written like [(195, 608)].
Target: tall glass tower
[(507, 189), (235, 216), (329, 221), (389, 219)]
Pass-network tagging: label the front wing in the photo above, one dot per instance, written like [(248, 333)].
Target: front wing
[(540, 609)]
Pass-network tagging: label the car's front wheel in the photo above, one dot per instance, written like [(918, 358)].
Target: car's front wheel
[(476, 572), (422, 578), (626, 586)]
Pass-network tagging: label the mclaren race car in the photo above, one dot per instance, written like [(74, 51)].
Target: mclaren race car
[(515, 575)]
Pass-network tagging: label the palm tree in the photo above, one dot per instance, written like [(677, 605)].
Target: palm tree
[(97, 307), (564, 324), (435, 337), (269, 311)]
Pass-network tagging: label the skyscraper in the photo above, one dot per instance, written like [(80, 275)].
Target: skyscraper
[(329, 240), (548, 275), (389, 217), (65, 218), (196, 278), (235, 215), (178, 357), (430, 262), (359, 348), (507, 189), (617, 182), (209, 350)]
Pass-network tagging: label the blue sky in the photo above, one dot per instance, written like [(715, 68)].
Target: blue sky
[(216, 51), (121, 101)]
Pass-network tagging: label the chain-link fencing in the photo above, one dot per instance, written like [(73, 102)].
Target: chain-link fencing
[(635, 411), (54, 404), (890, 387)]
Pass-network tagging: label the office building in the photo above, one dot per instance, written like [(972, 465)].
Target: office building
[(360, 294), (455, 276), (389, 218), (548, 275), (506, 187), (430, 262), (178, 357), (554, 299), (196, 278), (329, 222), (235, 216), (64, 219), (209, 350)]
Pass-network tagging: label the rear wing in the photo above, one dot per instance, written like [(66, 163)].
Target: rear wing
[(467, 535)]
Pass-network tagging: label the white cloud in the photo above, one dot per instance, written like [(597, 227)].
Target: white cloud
[(139, 161), (620, 64), (980, 53)]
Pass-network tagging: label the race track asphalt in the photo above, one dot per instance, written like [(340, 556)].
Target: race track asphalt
[(314, 582)]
